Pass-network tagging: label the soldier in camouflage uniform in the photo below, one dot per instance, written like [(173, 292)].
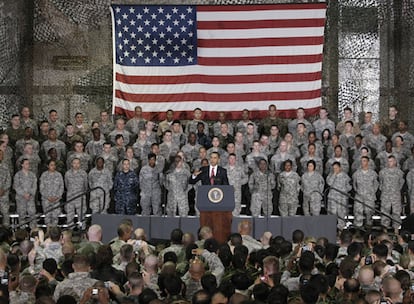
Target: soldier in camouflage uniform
[(252, 159), (142, 146), (53, 142), (176, 182), (25, 294), (160, 160), (136, 123), (54, 122), (126, 183), (33, 158), (77, 282), (391, 182), (5, 184), (279, 157), (338, 202), (120, 129), (100, 177), (410, 185), (7, 152), (338, 158), (150, 179), (191, 148), (79, 153), (288, 183), (261, 183), (133, 162), (178, 136), (25, 185), (237, 177), (365, 182), (375, 140), (192, 124), (109, 157), (168, 149), (27, 139), (51, 189), (312, 184), (76, 181), (94, 147)]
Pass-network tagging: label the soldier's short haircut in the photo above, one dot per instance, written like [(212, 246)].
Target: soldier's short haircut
[(336, 164), (151, 155), (81, 260), (55, 233), (124, 228), (176, 236)]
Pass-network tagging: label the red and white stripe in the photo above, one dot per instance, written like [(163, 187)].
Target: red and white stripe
[(248, 57)]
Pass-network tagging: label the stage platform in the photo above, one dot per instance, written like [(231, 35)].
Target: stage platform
[(159, 227)]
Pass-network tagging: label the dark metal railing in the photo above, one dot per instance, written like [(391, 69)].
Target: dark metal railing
[(62, 204)]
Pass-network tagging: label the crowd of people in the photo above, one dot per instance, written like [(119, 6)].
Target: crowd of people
[(272, 162), (68, 267), (275, 165)]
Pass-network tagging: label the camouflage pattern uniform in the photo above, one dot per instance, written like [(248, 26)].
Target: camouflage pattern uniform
[(391, 182), (75, 285), (126, 134), (5, 184), (278, 159), (94, 148), (274, 143), (106, 128), (134, 125), (382, 159), (58, 145), (293, 124), (217, 128), (192, 126), (191, 152), (76, 183), (110, 161), (288, 183), (178, 139), (51, 184), (159, 163), (410, 185), (34, 161), (365, 184), (100, 178), (22, 142), (342, 160), (168, 150), (150, 180), (304, 161), (252, 160), (237, 177), (312, 187), (261, 185), (337, 202), (58, 126), (22, 297), (25, 183), (141, 149), (320, 125), (375, 142), (176, 182), (85, 160), (125, 192), (408, 164)]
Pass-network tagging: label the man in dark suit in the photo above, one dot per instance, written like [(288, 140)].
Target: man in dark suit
[(212, 174)]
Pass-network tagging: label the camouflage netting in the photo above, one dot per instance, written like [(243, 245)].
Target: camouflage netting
[(82, 28)]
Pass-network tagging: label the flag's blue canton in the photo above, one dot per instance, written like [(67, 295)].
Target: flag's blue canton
[(155, 35)]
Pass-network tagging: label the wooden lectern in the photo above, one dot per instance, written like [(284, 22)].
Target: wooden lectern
[(216, 203)]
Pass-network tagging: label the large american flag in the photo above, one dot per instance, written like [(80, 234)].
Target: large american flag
[(217, 58)]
